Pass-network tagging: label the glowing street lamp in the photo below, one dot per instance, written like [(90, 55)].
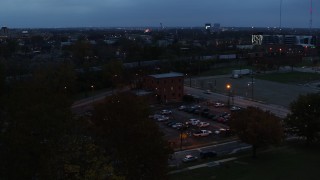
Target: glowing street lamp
[(228, 86), (92, 89)]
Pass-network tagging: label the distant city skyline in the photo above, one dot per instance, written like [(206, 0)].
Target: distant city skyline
[(144, 13)]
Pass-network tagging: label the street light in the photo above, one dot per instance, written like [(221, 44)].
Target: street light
[(92, 89), (252, 82), (228, 86), (113, 82)]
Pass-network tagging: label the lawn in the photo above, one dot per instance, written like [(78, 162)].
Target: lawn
[(292, 163), (290, 77), (223, 71)]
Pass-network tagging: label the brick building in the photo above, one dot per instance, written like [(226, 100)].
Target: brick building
[(166, 87)]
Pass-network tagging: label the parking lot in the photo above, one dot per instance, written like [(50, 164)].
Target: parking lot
[(266, 92), (174, 121)]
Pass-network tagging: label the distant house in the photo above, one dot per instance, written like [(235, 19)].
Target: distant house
[(166, 87)]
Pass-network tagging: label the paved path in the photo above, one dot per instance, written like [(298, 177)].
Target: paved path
[(209, 164)]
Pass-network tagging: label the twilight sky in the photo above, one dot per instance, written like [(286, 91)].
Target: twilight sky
[(114, 13)]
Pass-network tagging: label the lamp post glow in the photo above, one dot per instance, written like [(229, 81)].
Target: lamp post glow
[(228, 86), (92, 89)]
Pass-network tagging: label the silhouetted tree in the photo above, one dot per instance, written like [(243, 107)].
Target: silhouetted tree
[(113, 72), (136, 144), (82, 157), (257, 127), (82, 51), (304, 116), (37, 115), (2, 78)]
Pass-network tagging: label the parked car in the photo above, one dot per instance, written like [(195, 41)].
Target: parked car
[(189, 158), (189, 109), (170, 123), (193, 122), (166, 112), (155, 116), (207, 91), (218, 104), (212, 116), (222, 131), (207, 154), (177, 125), (197, 111), (163, 118), (235, 108), (205, 112), (88, 113), (221, 120), (203, 124), (182, 107), (202, 133)]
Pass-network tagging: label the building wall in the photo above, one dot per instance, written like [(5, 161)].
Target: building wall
[(166, 89)]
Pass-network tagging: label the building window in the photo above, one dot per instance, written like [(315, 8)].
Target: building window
[(171, 88)]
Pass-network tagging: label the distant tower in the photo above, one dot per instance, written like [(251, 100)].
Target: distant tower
[(207, 27), (310, 16), (4, 31)]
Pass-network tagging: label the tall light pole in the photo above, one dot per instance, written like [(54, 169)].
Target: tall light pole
[(252, 85), (189, 75), (92, 89), (113, 82), (228, 86)]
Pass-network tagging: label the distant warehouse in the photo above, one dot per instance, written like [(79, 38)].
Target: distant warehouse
[(166, 87)]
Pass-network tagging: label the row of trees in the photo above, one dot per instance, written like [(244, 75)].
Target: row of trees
[(259, 128), (41, 139)]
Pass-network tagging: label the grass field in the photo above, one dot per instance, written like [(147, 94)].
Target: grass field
[(290, 77), (222, 71), (288, 162)]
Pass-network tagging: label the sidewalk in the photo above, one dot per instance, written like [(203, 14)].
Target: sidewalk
[(209, 164)]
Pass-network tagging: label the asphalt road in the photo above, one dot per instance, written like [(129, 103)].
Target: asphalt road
[(221, 149)]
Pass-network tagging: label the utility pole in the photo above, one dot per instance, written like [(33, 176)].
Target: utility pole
[(252, 85)]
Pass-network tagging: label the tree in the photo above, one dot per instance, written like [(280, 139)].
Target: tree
[(2, 78), (135, 143), (113, 72), (82, 157), (36, 117), (39, 137), (304, 116), (257, 127), (82, 50)]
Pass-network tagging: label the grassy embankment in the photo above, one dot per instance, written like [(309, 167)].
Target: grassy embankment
[(287, 162)]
